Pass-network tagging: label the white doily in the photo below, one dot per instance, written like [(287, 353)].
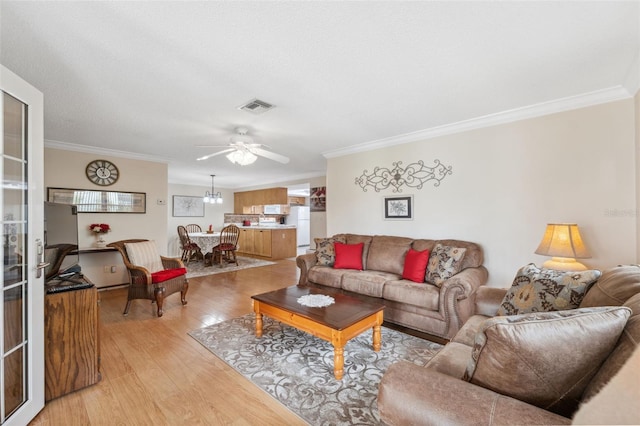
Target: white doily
[(316, 300)]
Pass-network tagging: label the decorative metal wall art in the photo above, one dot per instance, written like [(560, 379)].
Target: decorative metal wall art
[(414, 175)]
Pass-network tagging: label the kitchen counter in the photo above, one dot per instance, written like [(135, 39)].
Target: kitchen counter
[(264, 226)]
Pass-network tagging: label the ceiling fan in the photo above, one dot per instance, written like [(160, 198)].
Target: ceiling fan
[(242, 150)]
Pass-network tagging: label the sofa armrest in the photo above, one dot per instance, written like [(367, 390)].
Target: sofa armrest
[(457, 297), (410, 394), (488, 300), (305, 262)]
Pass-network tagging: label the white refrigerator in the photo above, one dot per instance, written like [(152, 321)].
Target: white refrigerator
[(301, 217)]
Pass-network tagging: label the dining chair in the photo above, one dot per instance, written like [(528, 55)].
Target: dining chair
[(189, 248), (226, 249), (193, 227)]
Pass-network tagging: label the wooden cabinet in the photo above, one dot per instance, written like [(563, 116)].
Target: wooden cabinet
[(259, 197), (72, 344), (262, 242), (268, 243), (245, 241)]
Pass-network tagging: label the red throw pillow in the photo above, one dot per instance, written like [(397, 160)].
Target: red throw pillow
[(348, 256), (415, 265)]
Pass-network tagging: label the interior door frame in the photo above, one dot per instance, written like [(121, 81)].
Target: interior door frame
[(13, 85)]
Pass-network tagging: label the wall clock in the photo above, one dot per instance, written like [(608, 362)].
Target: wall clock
[(102, 172)]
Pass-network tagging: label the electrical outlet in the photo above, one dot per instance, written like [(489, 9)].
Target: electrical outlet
[(113, 269), (105, 269)]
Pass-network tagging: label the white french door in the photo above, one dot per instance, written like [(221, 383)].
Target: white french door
[(21, 212)]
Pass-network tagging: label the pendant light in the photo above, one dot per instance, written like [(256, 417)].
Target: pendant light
[(212, 197)]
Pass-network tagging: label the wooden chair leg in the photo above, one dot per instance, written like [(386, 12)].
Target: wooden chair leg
[(126, 308), (159, 296), (183, 292)]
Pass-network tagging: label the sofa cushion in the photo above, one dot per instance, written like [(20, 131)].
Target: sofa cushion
[(144, 254), (628, 342), (369, 283), (325, 251), (403, 291), (473, 257), (542, 290), (167, 274), (444, 262), (387, 253), (545, 358), (348, 256), (415, 265), (614, 287), (326, 275)]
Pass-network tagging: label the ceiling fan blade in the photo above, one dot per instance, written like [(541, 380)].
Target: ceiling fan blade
[(270, 155), (206, 157)]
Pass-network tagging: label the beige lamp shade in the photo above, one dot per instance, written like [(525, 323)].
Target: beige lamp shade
[(563, 242)]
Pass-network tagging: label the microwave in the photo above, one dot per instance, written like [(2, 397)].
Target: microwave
[(272, 209)]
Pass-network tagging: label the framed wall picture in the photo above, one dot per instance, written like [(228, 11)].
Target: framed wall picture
[(187, 206), (398, 208)]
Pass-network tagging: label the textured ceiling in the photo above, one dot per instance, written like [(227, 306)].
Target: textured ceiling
[(154, 79)]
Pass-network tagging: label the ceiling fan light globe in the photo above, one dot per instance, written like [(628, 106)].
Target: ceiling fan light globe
[(241, 157)]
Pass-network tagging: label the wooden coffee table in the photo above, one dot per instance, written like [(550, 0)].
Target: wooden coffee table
[(337, 323)]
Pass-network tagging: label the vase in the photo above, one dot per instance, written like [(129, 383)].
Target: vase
[(100, 241)]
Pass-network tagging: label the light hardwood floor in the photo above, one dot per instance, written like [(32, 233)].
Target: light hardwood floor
[(153, 373)]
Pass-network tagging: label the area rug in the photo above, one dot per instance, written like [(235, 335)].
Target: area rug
[(296, 368), (197, 269)]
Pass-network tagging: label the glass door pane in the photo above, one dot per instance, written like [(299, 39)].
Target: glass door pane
[(14, 183)]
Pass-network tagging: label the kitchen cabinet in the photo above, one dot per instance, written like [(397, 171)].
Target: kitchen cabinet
[(72, 344), (262, 242), (274, 243), (259, 197)]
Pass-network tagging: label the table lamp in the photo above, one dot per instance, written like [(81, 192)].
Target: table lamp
[(563, 242)]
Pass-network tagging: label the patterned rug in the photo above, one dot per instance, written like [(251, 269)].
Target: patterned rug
[(296, 368), (197, 269)]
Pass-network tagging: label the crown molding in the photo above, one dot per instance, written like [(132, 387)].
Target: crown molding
[(66, 146), (545, 108)]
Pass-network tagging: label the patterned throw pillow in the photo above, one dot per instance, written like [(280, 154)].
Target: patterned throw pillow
[(444, 262), (325, 252), (543, 290)]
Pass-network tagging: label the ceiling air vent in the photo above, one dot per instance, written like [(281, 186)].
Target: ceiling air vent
[(256, 106)]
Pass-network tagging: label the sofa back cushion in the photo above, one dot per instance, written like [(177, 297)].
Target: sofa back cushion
[(624, 281), (386, 253), (548, 358), (614, 287), (473, 256)]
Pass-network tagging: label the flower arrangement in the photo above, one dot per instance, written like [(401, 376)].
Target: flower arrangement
[(99, 228)]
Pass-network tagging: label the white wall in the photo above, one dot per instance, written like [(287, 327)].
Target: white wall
[(637, 211), (508, 182), (213, 213), (66, 169)]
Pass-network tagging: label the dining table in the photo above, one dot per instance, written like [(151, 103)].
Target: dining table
[(205, 240)]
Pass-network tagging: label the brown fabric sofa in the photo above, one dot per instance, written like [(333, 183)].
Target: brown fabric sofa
[(439, 311), (439, 393)]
